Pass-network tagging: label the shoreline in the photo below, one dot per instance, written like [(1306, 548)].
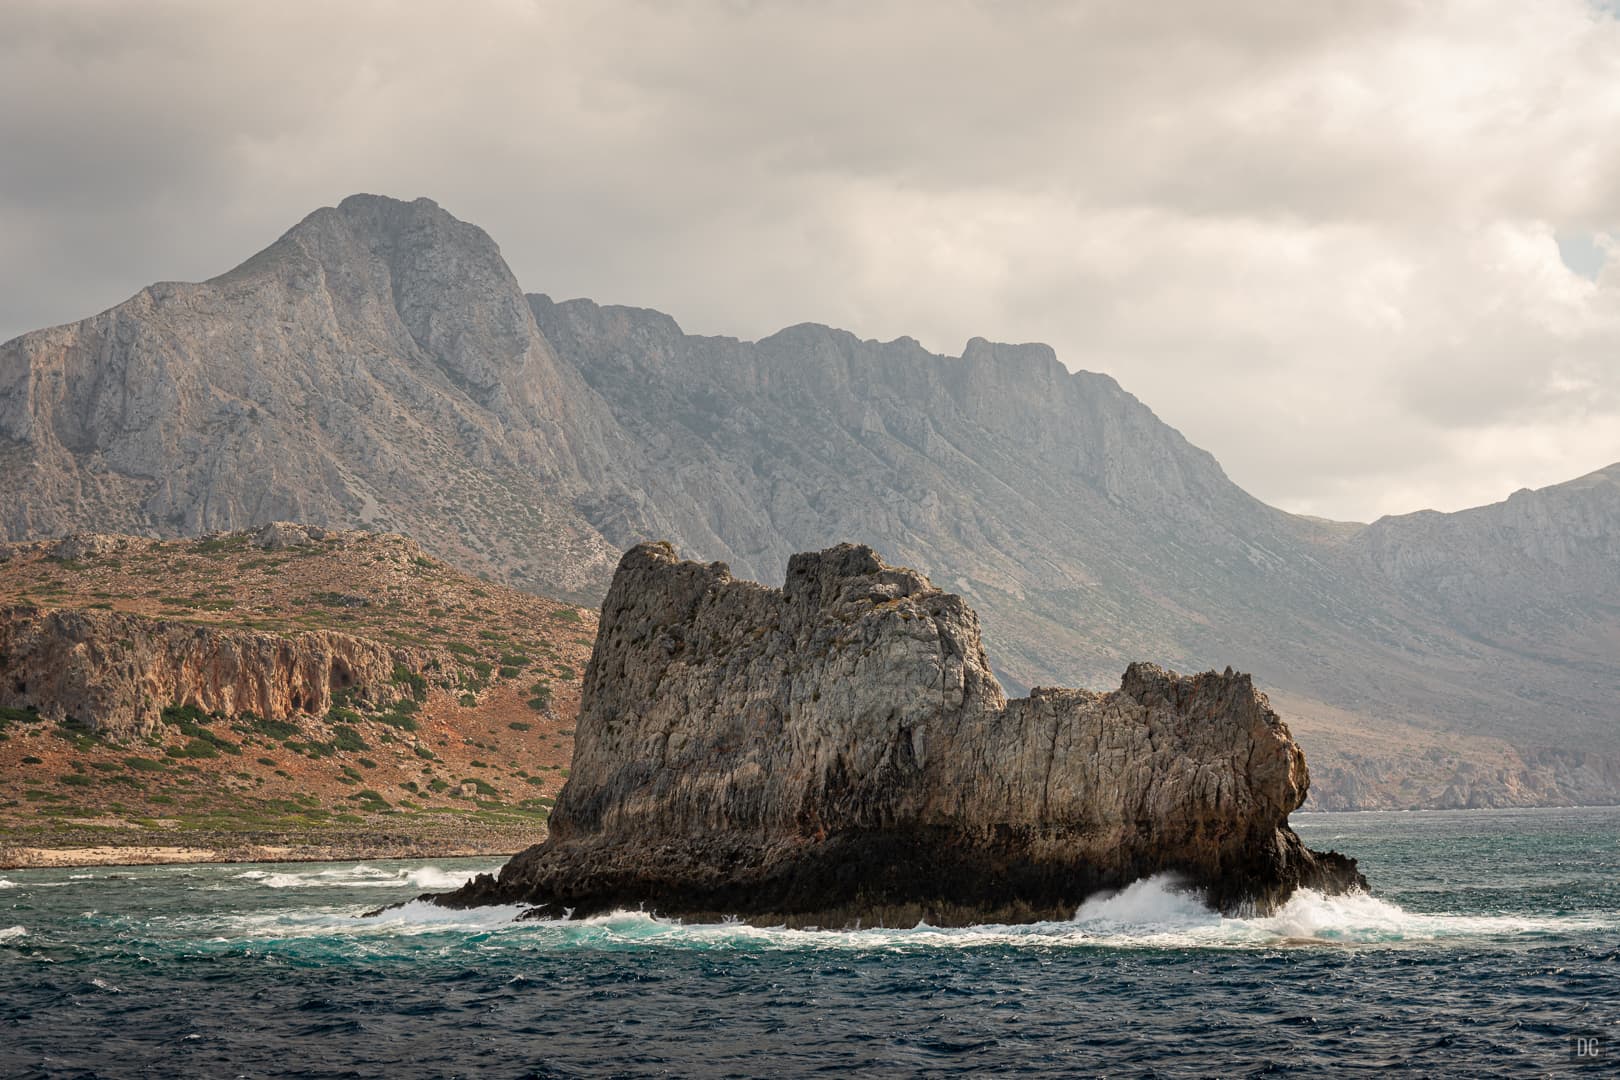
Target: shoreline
[(202, 847), (67, 858)]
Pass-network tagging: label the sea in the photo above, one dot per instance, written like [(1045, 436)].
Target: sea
[(1489, 946)]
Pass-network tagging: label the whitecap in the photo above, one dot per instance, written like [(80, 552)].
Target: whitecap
[(362, 876), (1361, 918), (1160, 901), (12, 933)]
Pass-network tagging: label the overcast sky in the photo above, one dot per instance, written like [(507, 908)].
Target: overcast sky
[(1359, 251)]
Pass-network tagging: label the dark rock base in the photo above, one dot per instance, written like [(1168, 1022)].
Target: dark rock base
[(878, 878)]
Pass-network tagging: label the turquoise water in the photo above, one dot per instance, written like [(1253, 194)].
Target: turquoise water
[(1491, 941)]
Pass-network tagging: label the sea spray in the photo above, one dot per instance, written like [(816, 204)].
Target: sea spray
[(1486, 949)]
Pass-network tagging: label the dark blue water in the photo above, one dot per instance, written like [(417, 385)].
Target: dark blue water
[(1492, 942)]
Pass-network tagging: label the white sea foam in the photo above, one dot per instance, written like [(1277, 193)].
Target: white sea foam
[(12, 933), (1154, 913), (4, 884), (361, 876)]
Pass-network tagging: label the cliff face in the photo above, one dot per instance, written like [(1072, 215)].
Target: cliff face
[(838, 750), (379, 366), (376, 366), (115, 673)]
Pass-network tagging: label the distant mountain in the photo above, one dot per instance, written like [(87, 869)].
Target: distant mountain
[(379, 366), (376, 366)]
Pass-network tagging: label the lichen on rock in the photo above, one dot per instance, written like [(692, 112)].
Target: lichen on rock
[(838, 751)]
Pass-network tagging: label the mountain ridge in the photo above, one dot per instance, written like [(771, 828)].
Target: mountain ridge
[(379, 365)]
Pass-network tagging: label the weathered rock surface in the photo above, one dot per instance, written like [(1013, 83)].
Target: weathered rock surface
[(839, 750), (379, 366), (115, 673)]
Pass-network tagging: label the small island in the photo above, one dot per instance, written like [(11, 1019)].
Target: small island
[(837, 753)]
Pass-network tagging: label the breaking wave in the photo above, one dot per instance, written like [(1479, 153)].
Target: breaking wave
[(362, 876)]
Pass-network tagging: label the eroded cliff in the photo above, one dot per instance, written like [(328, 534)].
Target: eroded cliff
[(838, 750), (114, 673)]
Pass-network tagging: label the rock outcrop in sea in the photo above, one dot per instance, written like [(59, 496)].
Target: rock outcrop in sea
[(838, 751)]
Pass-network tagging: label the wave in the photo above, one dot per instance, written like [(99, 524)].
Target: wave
[(1154, 913), (12, 933), (361, 876), (4, 884)]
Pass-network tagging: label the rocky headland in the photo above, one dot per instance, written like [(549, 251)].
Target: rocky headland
[(289, 692), (838, 751)]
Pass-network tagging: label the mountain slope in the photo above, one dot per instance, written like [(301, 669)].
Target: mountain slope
[(458, 742), (378, 366), (375, 366)]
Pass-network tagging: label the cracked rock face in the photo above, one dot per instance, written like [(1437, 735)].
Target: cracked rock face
[(838, 751), (114, 672)]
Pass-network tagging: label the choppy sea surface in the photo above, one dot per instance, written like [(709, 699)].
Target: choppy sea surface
[(1489, 947)]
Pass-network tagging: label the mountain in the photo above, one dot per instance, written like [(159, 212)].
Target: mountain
[(376, 366), (379, 366)]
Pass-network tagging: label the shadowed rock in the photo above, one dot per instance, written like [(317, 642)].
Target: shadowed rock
[(838, 751)]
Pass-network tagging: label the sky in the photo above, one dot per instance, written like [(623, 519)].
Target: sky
[(1366, 253)]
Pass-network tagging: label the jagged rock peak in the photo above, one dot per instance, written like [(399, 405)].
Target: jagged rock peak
[(838, 750)]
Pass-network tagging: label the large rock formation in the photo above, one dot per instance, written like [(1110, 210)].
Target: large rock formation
[(114, 673), (838, 750), (379, 366)]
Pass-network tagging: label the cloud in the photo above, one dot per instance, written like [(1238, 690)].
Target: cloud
[(1323, 242)]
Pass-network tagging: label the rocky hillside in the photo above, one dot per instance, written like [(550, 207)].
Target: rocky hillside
[(378, 365), (837, 752), (279, 692)]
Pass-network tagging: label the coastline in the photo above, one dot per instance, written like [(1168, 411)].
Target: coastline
[(46, 858), (105, 846)]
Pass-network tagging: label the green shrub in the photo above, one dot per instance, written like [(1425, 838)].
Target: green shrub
[(182, 715), (145, 764), (275, 729), (32, 760), (339, 714), (404, 676), (347, 738), (424, 753), (482, 787), (196, 748), (76, 780), (518, 725)]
